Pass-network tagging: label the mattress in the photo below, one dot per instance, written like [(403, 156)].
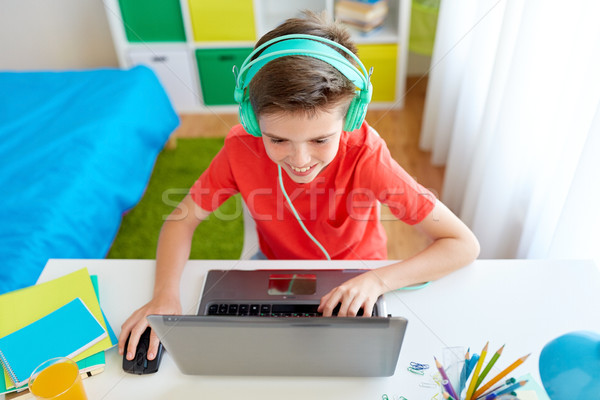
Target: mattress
[(77, 149)]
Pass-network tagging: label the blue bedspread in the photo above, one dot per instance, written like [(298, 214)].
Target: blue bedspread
[(76, 151)]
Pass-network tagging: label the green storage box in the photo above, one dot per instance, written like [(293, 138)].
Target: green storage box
[(152, 20), (423, 25), (216, 77)]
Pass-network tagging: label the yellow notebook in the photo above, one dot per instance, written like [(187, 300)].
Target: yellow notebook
[(22, 307)]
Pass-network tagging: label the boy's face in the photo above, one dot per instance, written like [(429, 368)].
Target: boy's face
[(303, 145)]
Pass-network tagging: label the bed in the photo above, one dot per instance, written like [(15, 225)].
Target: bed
[(77, 149)]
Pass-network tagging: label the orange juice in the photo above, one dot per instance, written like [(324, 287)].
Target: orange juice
[(58, 381)]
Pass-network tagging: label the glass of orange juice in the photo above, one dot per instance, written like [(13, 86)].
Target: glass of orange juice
[(58, 379)]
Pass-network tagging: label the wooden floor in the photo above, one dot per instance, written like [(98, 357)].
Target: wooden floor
[(400, 129)]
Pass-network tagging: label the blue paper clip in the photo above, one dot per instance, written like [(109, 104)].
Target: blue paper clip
[(418, 366)]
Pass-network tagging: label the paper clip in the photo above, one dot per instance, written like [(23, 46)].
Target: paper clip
[(428, 385), (415, 371), (385, 397), (418, 366)]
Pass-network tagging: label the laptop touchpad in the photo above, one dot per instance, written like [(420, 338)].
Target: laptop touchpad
[(292, 284)]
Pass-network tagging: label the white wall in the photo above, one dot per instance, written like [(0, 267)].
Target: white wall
[(55, 35), (73, 34)]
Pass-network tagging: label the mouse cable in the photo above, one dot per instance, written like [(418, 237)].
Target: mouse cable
[(416, 287)]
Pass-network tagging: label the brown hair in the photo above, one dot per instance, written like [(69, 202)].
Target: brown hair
[(302, 84)]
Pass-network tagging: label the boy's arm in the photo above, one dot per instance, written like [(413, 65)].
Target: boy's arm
[(453, 247), (172, 253)]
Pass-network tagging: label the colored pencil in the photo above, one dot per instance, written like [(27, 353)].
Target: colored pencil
[(507, 382), (445, 381), (447, 396), (473, 384), (463, 373), (501, 375), (506, 390), (489, 366), (472, 363)]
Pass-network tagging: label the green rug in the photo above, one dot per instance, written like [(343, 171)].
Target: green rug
[(174, 173)]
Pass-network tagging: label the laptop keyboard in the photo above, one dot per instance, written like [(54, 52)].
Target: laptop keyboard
[(272, 310)]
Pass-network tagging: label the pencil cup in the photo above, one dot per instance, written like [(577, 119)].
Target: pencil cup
[(57, 379), (453, 360)]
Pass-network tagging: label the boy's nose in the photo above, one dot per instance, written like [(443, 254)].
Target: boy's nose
[(300, 157)]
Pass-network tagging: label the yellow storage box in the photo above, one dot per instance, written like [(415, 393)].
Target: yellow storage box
[(231, 20), (382, 57)]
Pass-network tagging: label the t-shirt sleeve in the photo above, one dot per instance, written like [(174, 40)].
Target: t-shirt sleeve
[(216, 184), (407, 199)]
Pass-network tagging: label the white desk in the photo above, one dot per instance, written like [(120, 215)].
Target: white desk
[(523, 304)]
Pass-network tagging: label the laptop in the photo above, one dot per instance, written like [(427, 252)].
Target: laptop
[(266, 323)]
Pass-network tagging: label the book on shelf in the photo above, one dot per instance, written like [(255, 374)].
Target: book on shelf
[(362, 15)]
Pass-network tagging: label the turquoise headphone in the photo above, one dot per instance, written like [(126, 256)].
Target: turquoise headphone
[(305, 45)]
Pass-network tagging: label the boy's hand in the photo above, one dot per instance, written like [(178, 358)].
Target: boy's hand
[(136, 324), (359, 292)]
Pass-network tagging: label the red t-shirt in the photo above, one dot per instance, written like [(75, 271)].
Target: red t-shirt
[(338, 207)]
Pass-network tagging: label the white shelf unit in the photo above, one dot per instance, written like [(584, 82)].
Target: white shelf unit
[(177, 67)]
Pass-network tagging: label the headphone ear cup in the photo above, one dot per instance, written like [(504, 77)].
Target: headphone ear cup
[(248, 118), (355, 115), (350, 116), (357, 111)]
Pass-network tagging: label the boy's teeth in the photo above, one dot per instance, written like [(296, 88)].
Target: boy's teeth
[(300, 169)]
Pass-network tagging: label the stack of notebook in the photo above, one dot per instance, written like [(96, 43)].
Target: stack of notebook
[(363, 15), (59, 318)]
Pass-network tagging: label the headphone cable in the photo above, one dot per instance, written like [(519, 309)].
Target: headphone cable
[(289, 201)]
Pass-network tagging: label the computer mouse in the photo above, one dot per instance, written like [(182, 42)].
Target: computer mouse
[(140, 365)]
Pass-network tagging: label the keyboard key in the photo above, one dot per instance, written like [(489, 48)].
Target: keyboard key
[(294, 308), (244, 309), (274, 310), (265, 309), (213, 309), (233, 309)]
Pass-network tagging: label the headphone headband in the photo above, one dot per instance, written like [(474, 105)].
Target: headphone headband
[(306, 45)]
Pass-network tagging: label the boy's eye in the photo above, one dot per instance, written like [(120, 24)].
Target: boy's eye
[(316, 141)]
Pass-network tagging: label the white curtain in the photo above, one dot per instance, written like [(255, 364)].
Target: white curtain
[(513, 111)]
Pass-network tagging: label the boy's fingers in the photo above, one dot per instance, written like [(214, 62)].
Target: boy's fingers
[(134, 338), (323, 302), (354, 306), (122, 339), (344, 308), (153, 347), (331, 303), (125, 330), (368, 308)]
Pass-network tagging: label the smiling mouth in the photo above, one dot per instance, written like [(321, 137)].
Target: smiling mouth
[(300, 169)]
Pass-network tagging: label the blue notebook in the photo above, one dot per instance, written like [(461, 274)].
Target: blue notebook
[(65, 332)]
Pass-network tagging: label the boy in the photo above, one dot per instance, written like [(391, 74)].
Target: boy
[(311, 155)]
